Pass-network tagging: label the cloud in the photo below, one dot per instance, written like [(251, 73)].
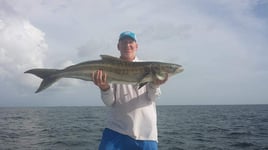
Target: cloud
[(221, 44), (22, 46), (93, 47)]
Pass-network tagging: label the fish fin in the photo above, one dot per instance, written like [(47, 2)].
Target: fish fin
[(142, 84), (161, 76), (108, 57), (111, 58), (46, 75), (143, 80)]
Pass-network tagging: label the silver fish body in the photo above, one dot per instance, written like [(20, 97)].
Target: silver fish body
[(117, 70)]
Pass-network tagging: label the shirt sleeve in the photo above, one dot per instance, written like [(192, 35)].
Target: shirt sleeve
[(108, 96), (153, 91)]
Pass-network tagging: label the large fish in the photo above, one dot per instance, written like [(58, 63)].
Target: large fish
[(118, 71)]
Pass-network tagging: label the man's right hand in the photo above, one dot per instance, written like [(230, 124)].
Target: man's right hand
[(100, 79)]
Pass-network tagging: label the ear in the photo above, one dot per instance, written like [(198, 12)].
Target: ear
[(118, 46)]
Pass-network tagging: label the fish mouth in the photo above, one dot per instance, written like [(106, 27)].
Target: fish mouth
[(179, 69)]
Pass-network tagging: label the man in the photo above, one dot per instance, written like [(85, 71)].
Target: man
[(132, 121)]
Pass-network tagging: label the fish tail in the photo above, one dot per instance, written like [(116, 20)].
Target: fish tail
[(48, 75)]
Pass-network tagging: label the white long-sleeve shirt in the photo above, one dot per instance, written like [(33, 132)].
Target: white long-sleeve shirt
[(132, 111)]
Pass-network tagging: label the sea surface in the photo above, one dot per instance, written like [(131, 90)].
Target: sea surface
[(220, 127)]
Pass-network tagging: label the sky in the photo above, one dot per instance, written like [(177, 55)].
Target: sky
[(221, 44)]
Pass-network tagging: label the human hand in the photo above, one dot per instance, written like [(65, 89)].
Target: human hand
[(100, 79)]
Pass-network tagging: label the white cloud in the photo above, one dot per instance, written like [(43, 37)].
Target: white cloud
[(22, 46), (222, 44)]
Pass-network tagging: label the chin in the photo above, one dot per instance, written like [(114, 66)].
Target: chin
[(127, 54)]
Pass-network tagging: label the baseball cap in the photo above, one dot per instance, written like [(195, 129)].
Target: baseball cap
[(128, 34)]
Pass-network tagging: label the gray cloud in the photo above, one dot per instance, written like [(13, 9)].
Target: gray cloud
[(222, 45), (93, 48), (21, 46)]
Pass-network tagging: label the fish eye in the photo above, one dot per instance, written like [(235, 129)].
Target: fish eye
[(172, 68)]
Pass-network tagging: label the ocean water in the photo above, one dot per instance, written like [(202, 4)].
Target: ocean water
[(220, 127)]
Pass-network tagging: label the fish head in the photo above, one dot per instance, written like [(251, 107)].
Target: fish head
[(160, 70)]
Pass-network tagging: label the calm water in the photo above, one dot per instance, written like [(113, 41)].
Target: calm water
[(180, 127)]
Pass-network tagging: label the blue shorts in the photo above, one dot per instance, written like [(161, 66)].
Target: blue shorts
[(112, 140)]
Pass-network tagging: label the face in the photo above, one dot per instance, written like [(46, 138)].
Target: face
[(127, 48)]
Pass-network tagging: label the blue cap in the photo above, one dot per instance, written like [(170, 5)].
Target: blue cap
[(128, 34)]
